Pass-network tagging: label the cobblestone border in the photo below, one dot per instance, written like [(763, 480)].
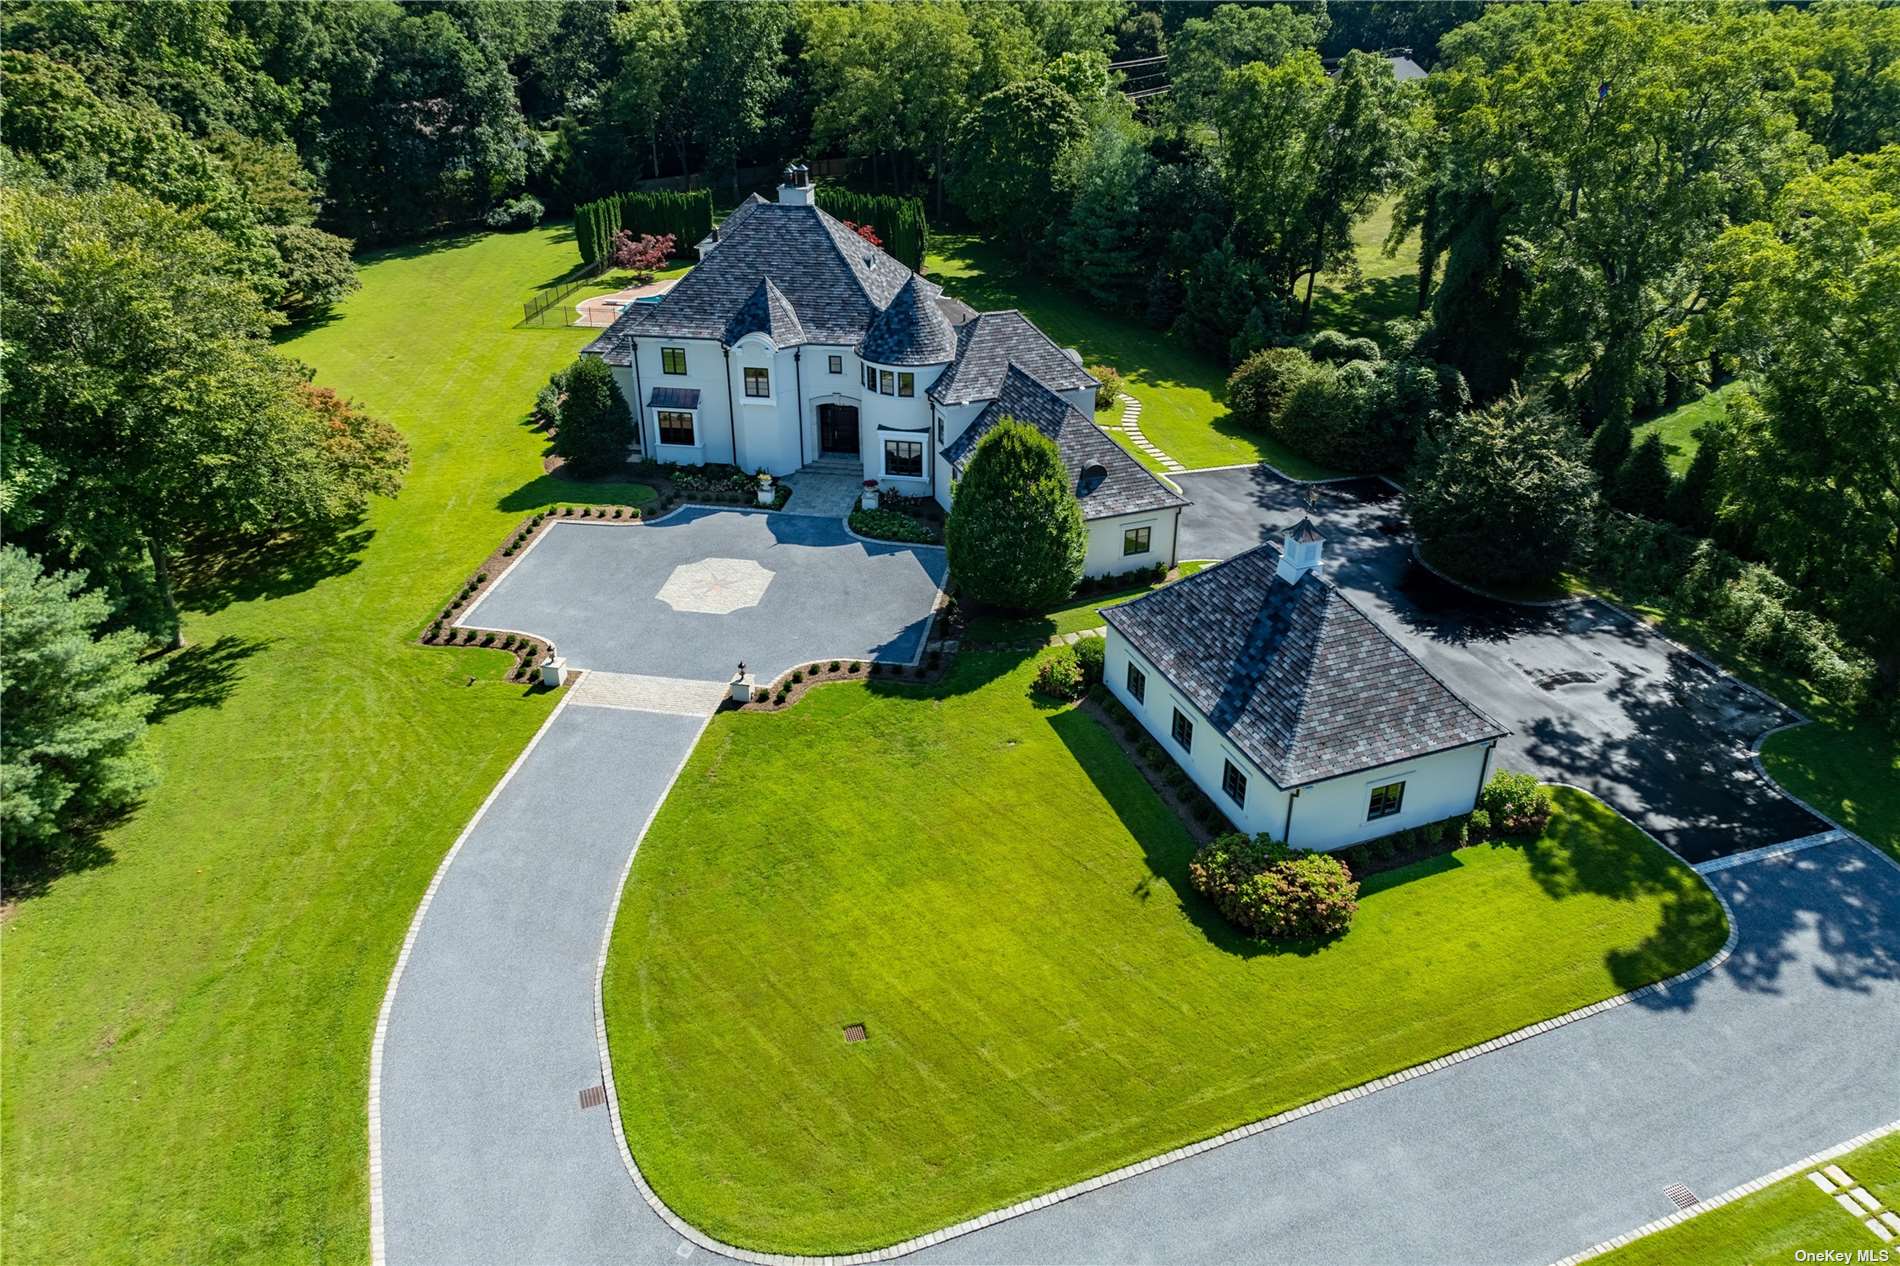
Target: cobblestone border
[(377, 1243), (1732, 1194), (694, 1236)]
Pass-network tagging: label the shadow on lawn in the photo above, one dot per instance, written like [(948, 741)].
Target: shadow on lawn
[(550, 490), (201, 676), (1164, 840), (30, 872), (216, 573)]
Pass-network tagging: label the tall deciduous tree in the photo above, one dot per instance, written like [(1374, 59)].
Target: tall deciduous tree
[(1231, 36), (1617, 144), (143, 404), (1811, 311), (595, 427), (75, 703), (1015, 538), (1018, 156), (735, 72)]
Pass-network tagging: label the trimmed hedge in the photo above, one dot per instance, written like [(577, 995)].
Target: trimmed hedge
[(899, 222), (687, 215)]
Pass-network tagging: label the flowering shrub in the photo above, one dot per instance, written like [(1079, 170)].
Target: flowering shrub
[(643, 255), (866, 232), (1272, 891), (1516, 804), (1108, 387), (1059, 675)]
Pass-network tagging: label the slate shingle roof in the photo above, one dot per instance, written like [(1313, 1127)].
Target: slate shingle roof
[(766, 311), (834, 281), (1296, 676), (988, 344), (1123, 486), (912, 330)]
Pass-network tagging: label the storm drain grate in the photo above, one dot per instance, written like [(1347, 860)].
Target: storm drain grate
[(1679, 1195), (594, 1097), (854, 1033)]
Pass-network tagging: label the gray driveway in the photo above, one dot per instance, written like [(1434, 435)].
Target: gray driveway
[(1591, 696), (488, 1151), (615, 597), (1541, 1149)]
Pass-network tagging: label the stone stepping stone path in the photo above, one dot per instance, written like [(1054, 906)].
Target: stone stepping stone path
[(1131, 427), (1858, 1203)]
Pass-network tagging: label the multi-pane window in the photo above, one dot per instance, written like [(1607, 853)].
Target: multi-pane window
[(1233, 782), (1137, 684), (870, 378), (1183, 731), (836, 364), (675, 428), (906, 383), (758, 383), (673, 360), (903, 457), (885, 382), (1385, 801), (1136, 540)]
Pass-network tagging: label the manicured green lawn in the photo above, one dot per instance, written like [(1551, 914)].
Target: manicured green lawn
[(1678, 426), (1772, 1224), (1849, 771), (1071, 617), (1180, 388), (187, 1024), (983, 881), (1385, 289)]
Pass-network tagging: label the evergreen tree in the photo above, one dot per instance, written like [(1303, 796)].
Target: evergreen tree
[(75, 704), (1015, 536), (595, 427), (1643, 482), (1610, 448), (1693, 501)]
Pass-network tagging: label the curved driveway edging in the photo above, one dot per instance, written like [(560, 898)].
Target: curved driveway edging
[(1659, 988), (376, 1236), (1733, 1194)]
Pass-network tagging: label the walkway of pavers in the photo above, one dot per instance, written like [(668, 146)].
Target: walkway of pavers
[(1131, 427)]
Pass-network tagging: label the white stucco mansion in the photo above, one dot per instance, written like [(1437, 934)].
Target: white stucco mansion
[(1289, 707), (794, 343)]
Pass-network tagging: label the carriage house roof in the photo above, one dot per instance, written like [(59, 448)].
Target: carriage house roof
[(989, 343), (1293, 674), (1104, 477)]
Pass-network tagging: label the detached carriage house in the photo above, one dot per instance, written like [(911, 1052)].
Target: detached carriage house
[(795, 344), (1289, 707)]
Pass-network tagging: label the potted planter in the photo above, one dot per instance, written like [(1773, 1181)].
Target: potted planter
[(766, 491), (869, 499)]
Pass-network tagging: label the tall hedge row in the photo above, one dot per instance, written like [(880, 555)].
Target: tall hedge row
[(687, 215), (898, 222)]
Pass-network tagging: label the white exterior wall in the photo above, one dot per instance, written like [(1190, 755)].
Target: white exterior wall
[(1105, 557), (895, 417), (768, 428), (1326, 815), (706, 371), (821, 386), (954, 420)]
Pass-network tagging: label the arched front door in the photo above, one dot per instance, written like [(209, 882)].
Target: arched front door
[(838, 428)]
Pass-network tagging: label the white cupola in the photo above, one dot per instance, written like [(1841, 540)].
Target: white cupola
[(1300, 551), (797, 189)]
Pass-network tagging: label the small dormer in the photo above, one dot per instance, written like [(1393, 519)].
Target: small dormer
[(796, 190), (1300, 551)]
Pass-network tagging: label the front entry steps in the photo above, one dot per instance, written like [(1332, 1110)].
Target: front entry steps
[(835, 464)]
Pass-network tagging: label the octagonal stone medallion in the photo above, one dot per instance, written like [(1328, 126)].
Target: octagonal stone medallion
[(715, 586)]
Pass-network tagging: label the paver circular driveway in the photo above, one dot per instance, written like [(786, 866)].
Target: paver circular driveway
[(1591, 696), (691, 594)]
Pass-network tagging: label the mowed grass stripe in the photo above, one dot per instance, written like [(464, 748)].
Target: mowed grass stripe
[(984, 881)]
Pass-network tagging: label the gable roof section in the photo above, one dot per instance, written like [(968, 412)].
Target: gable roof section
[(834, 281), (988, 344), (912, 329), (1295, 675), (766, 311), (1124, 487)]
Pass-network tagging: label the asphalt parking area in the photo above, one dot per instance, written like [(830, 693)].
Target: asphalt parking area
[(688, 595), (1591, 696)]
